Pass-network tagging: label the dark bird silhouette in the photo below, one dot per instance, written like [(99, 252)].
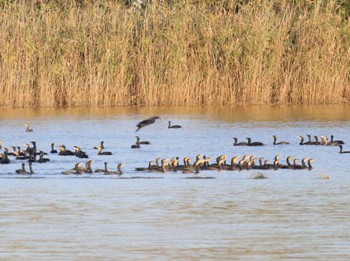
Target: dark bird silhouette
[(53, 148), (174, 126), (28, 129), (342, 151), (236, 143), (145, 142), (146, 122), (256, 143), (336, 142), (65, 152), (278, 143)]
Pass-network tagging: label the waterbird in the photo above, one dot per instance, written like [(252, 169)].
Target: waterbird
[(23, 171), (100, 152), (101, 145), (76, 170), (146, 122), (104, 170), (118, 172), (336, 142), (256, 143), (173, 126), (236, 143), (145, 142), (65, 152), (53, 148), (342, 151), (28, 129), (278, 143)]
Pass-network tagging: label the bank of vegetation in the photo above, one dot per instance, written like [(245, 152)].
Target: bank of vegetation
[(158, 53)]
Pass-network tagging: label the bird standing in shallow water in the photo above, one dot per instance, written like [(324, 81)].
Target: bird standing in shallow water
[(146, 122)]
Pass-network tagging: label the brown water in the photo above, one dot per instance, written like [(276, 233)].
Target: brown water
[(291, 214)]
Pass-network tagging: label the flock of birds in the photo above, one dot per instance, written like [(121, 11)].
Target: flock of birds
[(32, 155)]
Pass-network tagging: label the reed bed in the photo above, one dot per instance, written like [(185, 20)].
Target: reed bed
[(104, 53)]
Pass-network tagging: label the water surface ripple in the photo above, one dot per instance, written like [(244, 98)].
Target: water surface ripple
[(290, 215)]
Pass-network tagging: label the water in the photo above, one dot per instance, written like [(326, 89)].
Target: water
[(289, 215)]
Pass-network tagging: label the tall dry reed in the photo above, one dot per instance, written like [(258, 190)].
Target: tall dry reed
[(82, 53)]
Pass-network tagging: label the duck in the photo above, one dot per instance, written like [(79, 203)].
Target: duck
[(236, 143), (256, 143), (173, 126), (279, 143), (146, 122), (28, 129), (119, 171), (53, 148), (342, 151), (100, 152)]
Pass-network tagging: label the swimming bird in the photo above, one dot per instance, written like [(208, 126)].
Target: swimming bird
[(42, 159), (23, 171), (342, 151), (236, 143), (119, 171), (336, 141), (173, 126), (53, 148), (256, 143), (4, 158), (146, 122), (102, 170), (145, 142), (100, 152), (79, 153), (278, 143), (137, 144), (101, 145), (28, 129), (65, 152), (150, 167), (76, 170), (304, 143)]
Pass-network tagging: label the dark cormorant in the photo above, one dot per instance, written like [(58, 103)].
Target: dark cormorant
[(146, 122)]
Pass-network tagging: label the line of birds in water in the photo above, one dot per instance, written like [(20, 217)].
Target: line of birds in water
[(247, 162)]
